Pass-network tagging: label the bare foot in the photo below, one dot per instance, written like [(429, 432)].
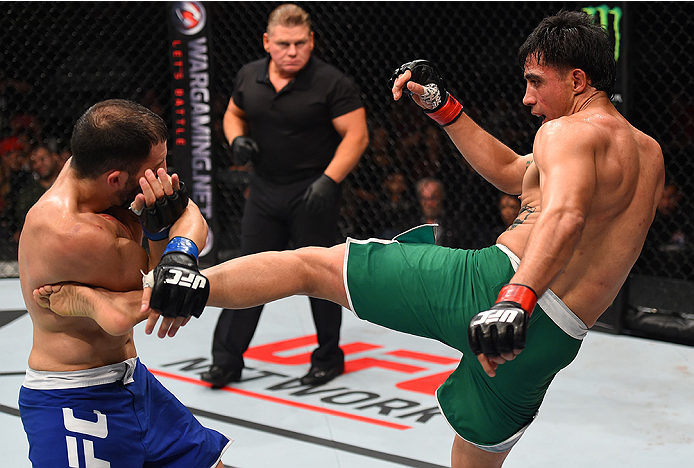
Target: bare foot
[(66, 299), (115, 312)]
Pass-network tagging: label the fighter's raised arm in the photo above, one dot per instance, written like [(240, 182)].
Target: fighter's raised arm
[(177, 232), (492, 159)]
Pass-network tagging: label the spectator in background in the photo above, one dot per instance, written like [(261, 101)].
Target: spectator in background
[(425, 156), (395, 206), (8, 146), (302, 124), (63, 155), (430, 194), (368, 181), (45, 165), (14, 95), (668, 229), (509, 207), (151, 101), (668, 247), (506, 215), (28, 128), (431, 197), (15, 173), (374, 166)]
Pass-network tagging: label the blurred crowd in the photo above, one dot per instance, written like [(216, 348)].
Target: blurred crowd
[(409, 175), (29, 162)]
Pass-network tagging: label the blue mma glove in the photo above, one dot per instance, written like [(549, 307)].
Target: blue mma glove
[(178, 287)]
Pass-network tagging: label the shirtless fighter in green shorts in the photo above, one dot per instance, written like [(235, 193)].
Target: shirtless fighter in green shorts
[(588, 192)]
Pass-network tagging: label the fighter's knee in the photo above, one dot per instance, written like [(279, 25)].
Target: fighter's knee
[(467, 455), (323, 268)]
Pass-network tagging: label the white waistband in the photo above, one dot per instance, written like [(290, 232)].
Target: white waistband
[(47, 380), (554, 307)]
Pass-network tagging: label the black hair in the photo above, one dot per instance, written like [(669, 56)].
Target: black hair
[(115, 135), (573, 39)]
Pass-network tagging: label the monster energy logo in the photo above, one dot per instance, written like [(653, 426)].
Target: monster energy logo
[(605, 11)]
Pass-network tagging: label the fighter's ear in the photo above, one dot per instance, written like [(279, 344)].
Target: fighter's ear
[(580, 80), (117, 179)]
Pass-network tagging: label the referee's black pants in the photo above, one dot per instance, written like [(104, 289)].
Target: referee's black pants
[(275, 218)]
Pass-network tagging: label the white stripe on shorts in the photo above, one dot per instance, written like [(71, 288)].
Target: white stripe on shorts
[(554, 307), (46, 380)]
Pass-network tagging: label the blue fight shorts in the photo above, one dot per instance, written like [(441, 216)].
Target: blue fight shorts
[(117, 415)]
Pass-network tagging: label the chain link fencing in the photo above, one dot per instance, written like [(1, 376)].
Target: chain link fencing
[(59, 58)]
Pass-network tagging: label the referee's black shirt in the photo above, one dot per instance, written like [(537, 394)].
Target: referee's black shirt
[(293, 127)]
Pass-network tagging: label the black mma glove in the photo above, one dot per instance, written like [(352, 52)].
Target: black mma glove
[(445, 109), (158, 218), (502, 328), (320, 194), (243, 149), (178, 287)]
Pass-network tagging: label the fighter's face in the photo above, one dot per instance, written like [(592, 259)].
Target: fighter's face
[(548, 91), (156, 159), (289, 48)]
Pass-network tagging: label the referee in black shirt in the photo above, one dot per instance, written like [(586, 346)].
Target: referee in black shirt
[(302, 124)]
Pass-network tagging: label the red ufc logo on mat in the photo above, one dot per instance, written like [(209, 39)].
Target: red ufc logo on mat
[(276, 353)]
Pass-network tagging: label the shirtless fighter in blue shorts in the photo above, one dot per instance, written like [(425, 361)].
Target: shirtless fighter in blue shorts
[(87, 400), (588, 193)]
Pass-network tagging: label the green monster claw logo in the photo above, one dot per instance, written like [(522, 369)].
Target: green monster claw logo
[(605, 11)]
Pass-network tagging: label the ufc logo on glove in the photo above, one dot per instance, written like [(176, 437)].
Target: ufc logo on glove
[(178, 287), (191, 280), (501, 316)]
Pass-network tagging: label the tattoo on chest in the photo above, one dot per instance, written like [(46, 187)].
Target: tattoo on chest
[(525, 211)]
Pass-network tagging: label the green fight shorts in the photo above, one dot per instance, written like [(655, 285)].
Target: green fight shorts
[(413, 286)]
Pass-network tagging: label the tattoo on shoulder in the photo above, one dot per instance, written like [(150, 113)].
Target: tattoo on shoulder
[(528, 210), (528, 163)]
